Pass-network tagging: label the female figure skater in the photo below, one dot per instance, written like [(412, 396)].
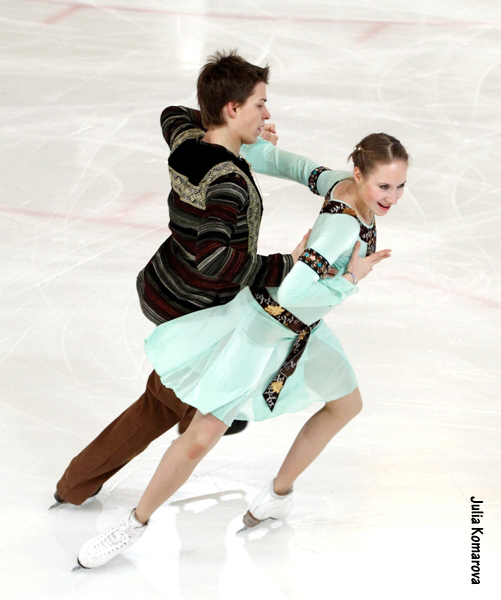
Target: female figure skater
[(268, 351)]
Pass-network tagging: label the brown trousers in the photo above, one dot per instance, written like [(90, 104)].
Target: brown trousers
[(154, 413)]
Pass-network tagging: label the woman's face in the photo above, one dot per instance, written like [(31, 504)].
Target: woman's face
[(383, 187)]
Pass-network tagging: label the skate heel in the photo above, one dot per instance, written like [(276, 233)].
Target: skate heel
[(59, 501), (268, 505), (249, 520)]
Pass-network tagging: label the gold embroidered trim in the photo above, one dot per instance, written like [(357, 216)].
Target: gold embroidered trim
[(189, 134), (274, 310), (196, 195), (277, 386)]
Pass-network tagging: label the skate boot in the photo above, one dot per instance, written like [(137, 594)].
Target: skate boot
[(59, 500), (236, 427), (268, 505), (103, 547)]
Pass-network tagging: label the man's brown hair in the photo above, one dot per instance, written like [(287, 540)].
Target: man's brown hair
[(226, 77)]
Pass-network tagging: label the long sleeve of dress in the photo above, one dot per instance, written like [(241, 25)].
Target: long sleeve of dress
[(267, 159), (328, 179), (303, 287)]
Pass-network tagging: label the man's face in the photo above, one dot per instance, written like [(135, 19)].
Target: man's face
[(252, 114)]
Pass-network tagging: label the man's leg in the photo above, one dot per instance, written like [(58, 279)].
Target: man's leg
[(155, 412)]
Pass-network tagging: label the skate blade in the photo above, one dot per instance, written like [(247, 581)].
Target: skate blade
[(79, 566), (244, 528), (55, 505)]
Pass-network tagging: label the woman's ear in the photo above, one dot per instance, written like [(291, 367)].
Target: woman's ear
[(357, 175)]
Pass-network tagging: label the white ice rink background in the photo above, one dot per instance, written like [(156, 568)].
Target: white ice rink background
[(386, 509)]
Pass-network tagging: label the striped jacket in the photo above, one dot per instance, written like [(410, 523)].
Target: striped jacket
[(215, 213)]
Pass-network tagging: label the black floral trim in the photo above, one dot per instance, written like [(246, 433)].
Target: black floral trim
[(369, 237), (367, 234), (334, 207), (303, 331), (313, 178), (315, 261)]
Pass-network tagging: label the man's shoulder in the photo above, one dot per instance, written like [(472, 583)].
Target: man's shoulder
[(197, 161), (194, 168)]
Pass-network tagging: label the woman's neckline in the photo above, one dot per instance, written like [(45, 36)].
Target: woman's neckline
[(353, 209)]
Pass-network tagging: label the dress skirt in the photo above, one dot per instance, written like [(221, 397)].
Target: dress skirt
[(220, 360)]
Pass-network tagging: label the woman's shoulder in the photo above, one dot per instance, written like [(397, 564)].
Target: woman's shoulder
[(339, 199), (342, 192), (338, 219)]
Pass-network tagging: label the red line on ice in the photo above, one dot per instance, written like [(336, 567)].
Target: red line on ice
[(373, 31), (118, 221), (113, 220), (63, 14), (259, 17)]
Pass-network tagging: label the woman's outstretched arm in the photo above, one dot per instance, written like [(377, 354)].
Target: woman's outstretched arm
[(267, 159)]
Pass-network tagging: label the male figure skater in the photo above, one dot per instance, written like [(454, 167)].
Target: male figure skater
[(215, 213)]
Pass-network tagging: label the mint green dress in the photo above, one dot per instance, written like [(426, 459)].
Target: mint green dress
[(221, 359)]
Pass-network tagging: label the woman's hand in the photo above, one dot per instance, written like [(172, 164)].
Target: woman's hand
[(269, 133), (301, 247), (361, 267)]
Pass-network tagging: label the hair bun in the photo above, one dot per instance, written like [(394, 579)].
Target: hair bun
[(375, 149)]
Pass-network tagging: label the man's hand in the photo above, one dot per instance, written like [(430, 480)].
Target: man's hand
[(301, 247), (330, 273), (269, 133)]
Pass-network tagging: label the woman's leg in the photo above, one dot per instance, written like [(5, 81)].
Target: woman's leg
[(176, 466), (316, 433), (179, 461)]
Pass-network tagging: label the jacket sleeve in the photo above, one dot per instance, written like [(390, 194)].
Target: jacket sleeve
[(304, 287), (267, 159), (219, 253), (175, 120)]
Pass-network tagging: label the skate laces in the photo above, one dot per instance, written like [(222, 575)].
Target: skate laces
[(120, 534)]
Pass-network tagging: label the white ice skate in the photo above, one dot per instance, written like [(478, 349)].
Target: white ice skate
[(103, 547), (268, 505)]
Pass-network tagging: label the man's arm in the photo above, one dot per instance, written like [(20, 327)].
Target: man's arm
[(220, 253), (176, 120)]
